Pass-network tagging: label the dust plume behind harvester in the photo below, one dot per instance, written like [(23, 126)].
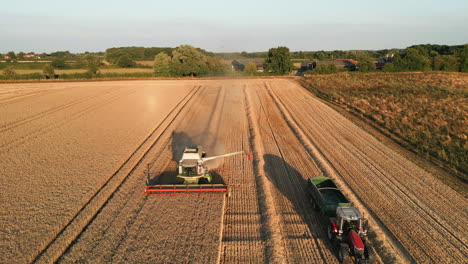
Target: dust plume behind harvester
[(193, 176)]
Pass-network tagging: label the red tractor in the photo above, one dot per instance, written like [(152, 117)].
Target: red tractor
[(347, 232)]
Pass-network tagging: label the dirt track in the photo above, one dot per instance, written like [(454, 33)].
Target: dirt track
[(79, 153)]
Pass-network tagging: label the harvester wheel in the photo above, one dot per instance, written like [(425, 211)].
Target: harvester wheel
[(343, 254), (202, 181)]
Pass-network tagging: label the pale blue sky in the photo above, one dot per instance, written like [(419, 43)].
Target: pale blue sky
[(77, 26)]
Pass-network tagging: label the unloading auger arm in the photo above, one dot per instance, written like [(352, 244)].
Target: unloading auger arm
[(226, 155)]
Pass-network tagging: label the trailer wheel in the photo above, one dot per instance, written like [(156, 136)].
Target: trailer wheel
[(343, 254), (314, 205)]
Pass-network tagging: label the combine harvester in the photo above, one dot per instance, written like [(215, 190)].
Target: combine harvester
[(346, 225), (194, 173)]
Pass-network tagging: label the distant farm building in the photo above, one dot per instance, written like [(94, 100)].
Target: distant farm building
[(382, 61), (31, 56), (308, 65)]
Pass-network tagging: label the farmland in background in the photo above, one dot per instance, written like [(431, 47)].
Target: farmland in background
[(426, 111), (71, 71), (76, 155)]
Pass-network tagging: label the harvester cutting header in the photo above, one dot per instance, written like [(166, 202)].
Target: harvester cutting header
[(195, 174)]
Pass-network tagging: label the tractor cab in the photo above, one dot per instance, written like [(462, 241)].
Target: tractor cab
[(351, 235), (348, 218)]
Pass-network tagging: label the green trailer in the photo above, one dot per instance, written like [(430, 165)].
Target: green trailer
[(325, 196)]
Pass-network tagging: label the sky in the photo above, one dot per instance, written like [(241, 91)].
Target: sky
[(230, 26)]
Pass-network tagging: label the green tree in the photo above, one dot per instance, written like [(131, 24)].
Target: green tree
[(125, 61), (216, 66), (412, 59), (464, 59), (300, 55), (48, 70), (250, 69), (188, 61), (21, 55), (9, 73), (445, 63), (61, 54), (162, 66), (12, 55), (389, 67), (320, 55), (366, 64), (58, 63), (278, 61), (323, 69), (92, 63)]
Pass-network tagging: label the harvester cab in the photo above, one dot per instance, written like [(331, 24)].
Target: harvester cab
[(191, 168), (350, 235)]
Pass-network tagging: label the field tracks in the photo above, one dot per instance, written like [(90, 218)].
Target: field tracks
[(45, 129), (328, 170), (24, 96), (66, 236), (273, 236), (25, 120)]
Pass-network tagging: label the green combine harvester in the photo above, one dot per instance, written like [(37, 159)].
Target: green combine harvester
[(194, 173)]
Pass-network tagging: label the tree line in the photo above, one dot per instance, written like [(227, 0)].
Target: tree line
[(126, 56), (430, 57), (186, 60)]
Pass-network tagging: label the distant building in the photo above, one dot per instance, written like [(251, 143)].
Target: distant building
[(349, 63), (384, 60), (30, 56), (308, 65)]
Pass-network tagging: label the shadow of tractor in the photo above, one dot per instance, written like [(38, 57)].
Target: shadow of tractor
[(293, 185)]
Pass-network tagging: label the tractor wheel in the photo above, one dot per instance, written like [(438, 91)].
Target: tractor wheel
[(330, 233), (343, 255), (368, 253)]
